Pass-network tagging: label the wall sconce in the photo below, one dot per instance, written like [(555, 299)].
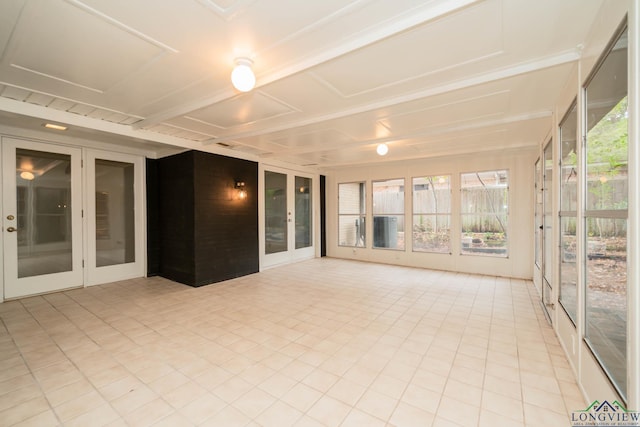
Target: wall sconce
[(240, 190)]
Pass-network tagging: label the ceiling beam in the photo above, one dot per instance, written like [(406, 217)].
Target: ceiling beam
[(504, 73), (77, 120), (435, 131), (344, 47)]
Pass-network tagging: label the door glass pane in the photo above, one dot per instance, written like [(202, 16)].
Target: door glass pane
[(115, 219), (303, 212), (548, 222), (275, 201), (43, 183), (538, 214), (568, 213), (607, 200)]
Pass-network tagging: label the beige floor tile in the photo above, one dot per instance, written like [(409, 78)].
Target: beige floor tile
[(24, 411), (505, 406), (68, 392), (358, 418), (104, 413), (306, 344), (279, 415), (497, 419), (329, 411), (227, 417), (175, 419), (301, 397), (422, 398), (169, 382), (79, 405), (232, 389), (406, 415), (277, 385), (321, 380), (307, 421), (542, 399), (19, 395), (202, 407), (458, 412), (46, 418), (134, 399), (149, 413), (389, 386), (120, 387), (534, 416), (346, 391), (377, 404), (254, 402)]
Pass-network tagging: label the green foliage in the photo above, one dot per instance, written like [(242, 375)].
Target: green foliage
[(607, 141)]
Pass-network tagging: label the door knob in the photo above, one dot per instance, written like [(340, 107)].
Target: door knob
[(11, 229)]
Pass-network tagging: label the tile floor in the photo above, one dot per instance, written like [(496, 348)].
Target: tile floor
[(324, 342)]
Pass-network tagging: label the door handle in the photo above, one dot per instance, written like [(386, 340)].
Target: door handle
[(11, 229)]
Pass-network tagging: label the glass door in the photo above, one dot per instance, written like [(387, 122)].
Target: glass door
[(114, 216), (42, 217), (288, 217), (547, 235), (538, 228)]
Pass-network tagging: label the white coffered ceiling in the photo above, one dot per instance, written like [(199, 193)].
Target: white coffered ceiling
[(334, 77)]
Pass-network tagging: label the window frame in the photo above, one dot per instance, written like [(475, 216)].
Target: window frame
[(363, 215), (415, 213), (462, 213), (391, 214)]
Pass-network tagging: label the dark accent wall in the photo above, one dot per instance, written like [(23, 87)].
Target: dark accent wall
[(153, 219), (177, 226), (206, 233), (226, 244), (323, 215)]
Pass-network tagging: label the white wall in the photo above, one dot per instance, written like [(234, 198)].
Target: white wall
[(519, 163)]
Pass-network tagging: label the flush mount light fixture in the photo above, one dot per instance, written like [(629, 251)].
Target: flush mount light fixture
[(242, 75), (54, 126), (26, 175), (382, 149)]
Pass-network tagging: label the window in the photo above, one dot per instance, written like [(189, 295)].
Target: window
[(351, 214), (388, 214), (484, 212), (568, 213), (606, 213), (432, 214)]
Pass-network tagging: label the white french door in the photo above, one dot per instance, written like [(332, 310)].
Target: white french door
[(547, 232), (287, 216), (115, 217), (42, 217)]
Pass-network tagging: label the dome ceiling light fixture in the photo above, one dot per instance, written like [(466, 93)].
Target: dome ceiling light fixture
[(382, 149), (242, 75)]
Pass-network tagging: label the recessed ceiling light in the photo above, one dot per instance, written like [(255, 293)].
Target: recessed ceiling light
[(382, 149), (54, 126)]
